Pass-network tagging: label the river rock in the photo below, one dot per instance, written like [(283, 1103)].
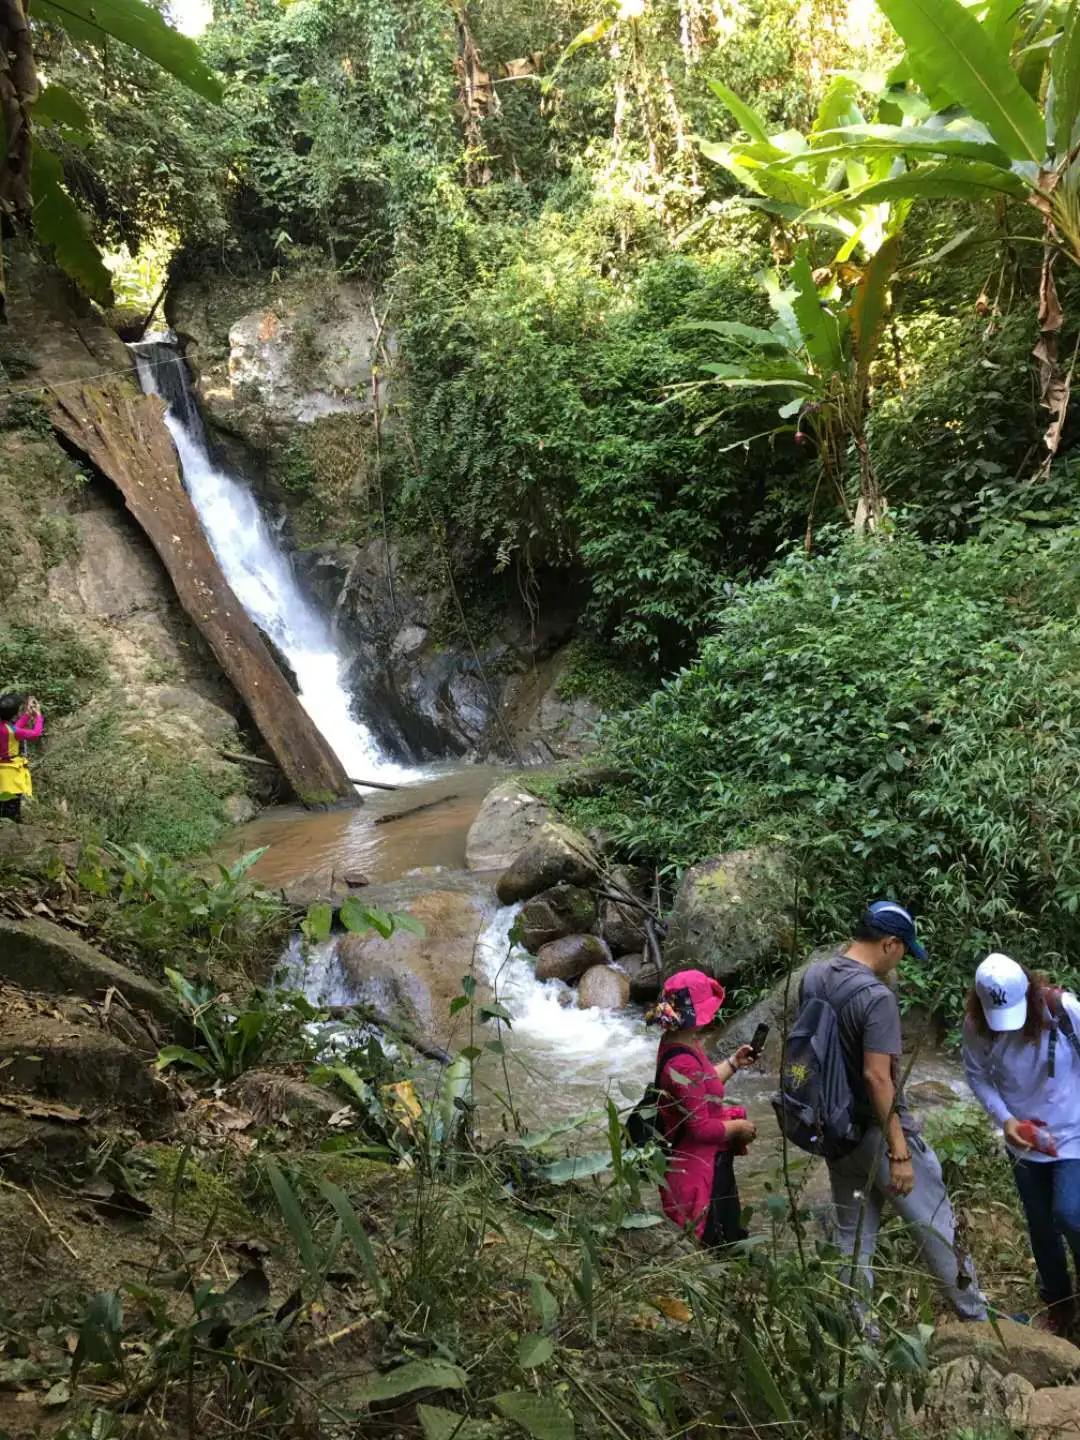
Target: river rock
[(1039, 1357), (415, 977), (321, 886), (1054, 1414), (569, 958), (551, 915), (968, 1392), (623, 927), (731, 912), (644, 976), (506, 822), (39, 955), (603, 987), (555, 853), (268, 1097)]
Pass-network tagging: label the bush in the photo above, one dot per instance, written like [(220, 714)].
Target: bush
[(906, 718), (50, 661)]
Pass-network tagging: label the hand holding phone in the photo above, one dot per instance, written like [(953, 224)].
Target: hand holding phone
[(757, 1042)]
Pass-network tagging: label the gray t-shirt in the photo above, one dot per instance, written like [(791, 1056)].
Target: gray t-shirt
[(870, 1020)]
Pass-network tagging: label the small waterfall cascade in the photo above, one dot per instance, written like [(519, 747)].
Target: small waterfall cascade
[(259, 571)]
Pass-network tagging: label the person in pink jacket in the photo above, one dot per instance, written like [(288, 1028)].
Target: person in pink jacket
[(704, 1134), (20, 720)]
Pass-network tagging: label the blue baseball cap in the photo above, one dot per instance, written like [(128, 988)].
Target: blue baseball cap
[(893, 919)]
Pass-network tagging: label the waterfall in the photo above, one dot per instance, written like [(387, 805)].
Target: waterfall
[(258, 570)]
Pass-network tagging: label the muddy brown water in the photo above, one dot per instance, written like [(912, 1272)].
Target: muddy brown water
[(562, 1062)]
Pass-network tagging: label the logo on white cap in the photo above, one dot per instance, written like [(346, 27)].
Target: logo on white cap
[(1002, 988)]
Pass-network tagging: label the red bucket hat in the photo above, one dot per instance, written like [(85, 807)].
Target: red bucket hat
[(695, 997)]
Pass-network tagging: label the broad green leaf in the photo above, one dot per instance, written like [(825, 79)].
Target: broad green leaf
[(640, 1222), (140, 26), (763, 1381), (318, 922), (58, 222), (100, 1333), (57, 106), (951, 180), (838, 105), (736, 330), (870, 307), (534, 1351), (820, 332), (967, 143), (402, 920), (544, 1304), (181, 1055), (748, 118), (541, 1416), (440, 1424), (999, 20), (576, 1167), (294, 1217), (947, 47), (1066, 75), (780, 300), (413, 1375), (589, 36), (356, 1233)]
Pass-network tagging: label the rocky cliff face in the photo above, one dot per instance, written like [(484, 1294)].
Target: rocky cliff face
[(76, 565), (295, 380)]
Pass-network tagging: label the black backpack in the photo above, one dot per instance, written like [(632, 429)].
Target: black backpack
[(643, 1124), (815, 1105)]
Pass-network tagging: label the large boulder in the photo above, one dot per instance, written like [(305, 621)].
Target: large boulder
[(507, 820), (568, 959), (731, 912), (413, 978), (966, 1393), (551, 915), (1010, 1348), (1054, 1414), (555, 854), (604, 987), (777, 1009), (623, 927), (39, 955)]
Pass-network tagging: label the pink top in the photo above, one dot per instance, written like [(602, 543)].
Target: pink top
[(694, 1111), (27, 729)]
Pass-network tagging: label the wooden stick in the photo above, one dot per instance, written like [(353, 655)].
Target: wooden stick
[(7, 1184), (414, 809), (242, 759)]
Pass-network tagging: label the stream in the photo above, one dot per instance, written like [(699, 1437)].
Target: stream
[(561, 1061)]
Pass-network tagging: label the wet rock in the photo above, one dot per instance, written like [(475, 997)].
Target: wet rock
[(968, 1392), (506, 822), (569, 958), (770, 1011), (79, 1065), (355, 879), (1040, 1358), (42, 956), (239, 809), (555, 854), (321, 886), (268, 1097), (603, 987), (1053, 1414), (563, 910), (415, 977), (931, 1094), (623, 927), (645, 978), (730, 912)]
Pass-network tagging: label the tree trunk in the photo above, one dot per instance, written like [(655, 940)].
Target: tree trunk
[(123, 435), (871, 507)]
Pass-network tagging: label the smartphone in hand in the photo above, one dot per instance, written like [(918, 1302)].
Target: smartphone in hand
[(757, 1043)]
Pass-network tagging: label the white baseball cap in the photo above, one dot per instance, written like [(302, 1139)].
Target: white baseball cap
[(1002, 988)]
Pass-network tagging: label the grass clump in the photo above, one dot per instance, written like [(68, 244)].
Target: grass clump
[(52, 661)]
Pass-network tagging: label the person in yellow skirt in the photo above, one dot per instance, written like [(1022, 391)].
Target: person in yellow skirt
[(20, 720)]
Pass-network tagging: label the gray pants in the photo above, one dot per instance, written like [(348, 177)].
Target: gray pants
[(926, 1211)]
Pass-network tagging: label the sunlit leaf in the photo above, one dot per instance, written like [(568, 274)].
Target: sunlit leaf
[(58, 222), (140, 26)]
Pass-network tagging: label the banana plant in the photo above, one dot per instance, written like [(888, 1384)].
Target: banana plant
[(817, 354), (32, 191), (1014, 89)]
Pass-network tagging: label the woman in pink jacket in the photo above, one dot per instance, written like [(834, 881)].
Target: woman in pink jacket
[(704, 1134), (20, 720)]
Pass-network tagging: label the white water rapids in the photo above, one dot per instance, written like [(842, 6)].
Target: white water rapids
[(260, 574)]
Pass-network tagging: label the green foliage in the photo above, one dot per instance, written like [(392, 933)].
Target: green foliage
[(51, 661), (166, 909), (900, 716), (591, 669)]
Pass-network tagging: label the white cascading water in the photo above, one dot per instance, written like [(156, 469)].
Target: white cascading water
[(259, 573)]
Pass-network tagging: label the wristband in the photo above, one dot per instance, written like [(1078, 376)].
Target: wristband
[(900, 1159)]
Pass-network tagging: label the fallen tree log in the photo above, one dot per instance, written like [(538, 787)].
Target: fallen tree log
[(123, 435), (242, 759)]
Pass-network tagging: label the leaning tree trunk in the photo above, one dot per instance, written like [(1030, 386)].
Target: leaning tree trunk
[(123, 435), (19, 88)]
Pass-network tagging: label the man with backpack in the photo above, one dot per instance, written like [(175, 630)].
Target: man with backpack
[(840, 1097)]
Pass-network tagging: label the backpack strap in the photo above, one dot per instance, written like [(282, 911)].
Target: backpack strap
[(846, 989), (669, 1053), (1063, 1023)]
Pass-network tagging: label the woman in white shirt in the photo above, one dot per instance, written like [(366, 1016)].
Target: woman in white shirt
[(1022, 1058)]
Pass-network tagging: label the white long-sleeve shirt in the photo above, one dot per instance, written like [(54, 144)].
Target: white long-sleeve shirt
[(1010, 1077)]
